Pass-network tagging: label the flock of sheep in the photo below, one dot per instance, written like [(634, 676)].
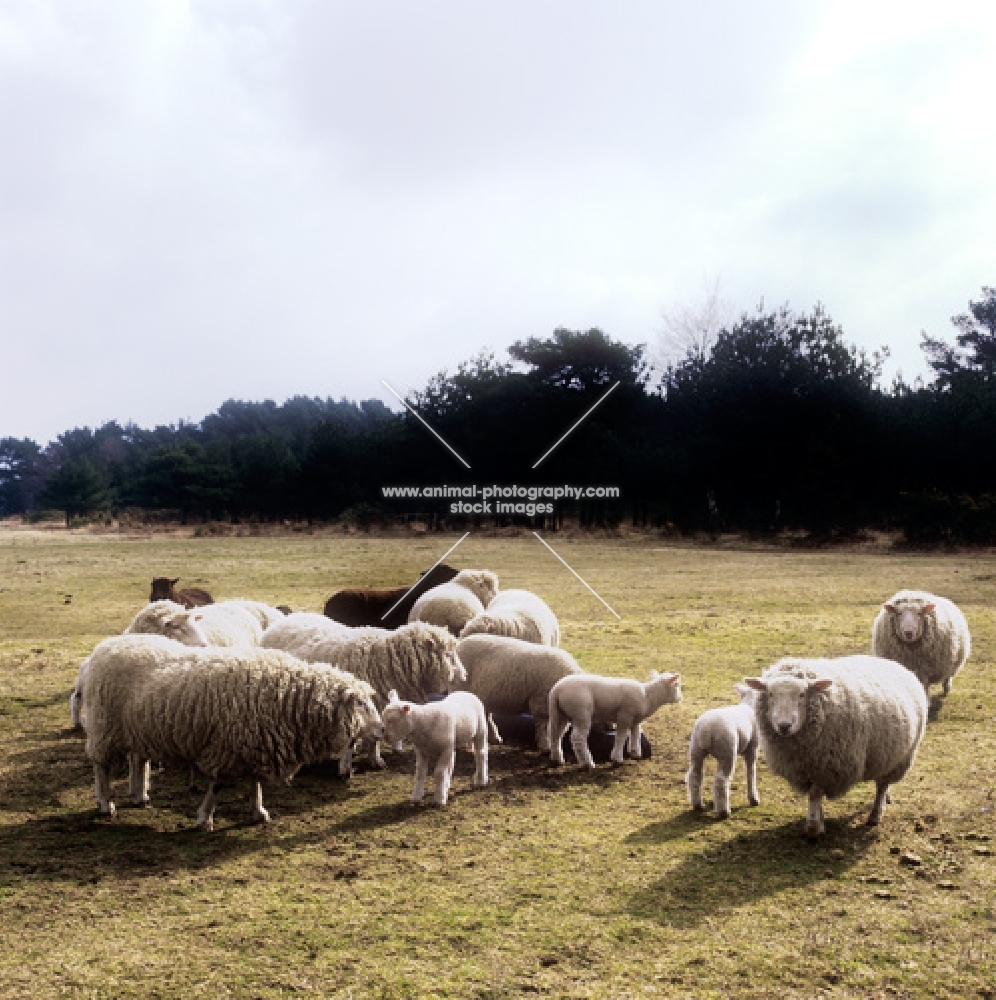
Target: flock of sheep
[(240, 689)]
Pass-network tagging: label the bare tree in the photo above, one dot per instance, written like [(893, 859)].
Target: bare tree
[(690, 328)]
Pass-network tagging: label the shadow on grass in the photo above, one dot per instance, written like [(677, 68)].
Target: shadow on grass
[(715, 878)]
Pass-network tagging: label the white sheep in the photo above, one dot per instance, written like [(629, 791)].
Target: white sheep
[(512, 676), (227, 623), (230, 712), (724, 733), (826, 725), (582, 700), (451, 605), (416, 659), (519, 614), (437, 730), (925, 633)]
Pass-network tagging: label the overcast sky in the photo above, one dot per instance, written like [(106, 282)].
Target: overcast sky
[(263, 198)]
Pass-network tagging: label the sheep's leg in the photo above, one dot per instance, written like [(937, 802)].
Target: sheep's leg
[(76, 708), (750, 763), (579, 742), (205, 814), (493, 729), (946, 685), (259, 814), (878, 806), (421, 773), (399, 746), (444, 774), (139, 772), (636, 741), (480, 760), (346, 762), (102, 788), (557, 731), (619, 745), (814, 822), (375, 758), (693, 779)]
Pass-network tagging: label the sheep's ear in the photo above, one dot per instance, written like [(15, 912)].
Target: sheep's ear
[(755, 684), (927, 608), (674, 678), (821, 685), (198, 618), (392, 695), (174, 581), (654, 675), (889, 607), (406, 709), (741, 689)]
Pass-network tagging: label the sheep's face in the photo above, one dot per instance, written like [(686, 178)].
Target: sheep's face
[(909, 619), (788, 700), (397, 719), (371, 724), (186, 629), (671, 684)]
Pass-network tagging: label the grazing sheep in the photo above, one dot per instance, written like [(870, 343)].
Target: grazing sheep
[(417, 659), (230, 712), (164, 589), (724, 733), (519, 614), (925, 633), (584, 699), (826, 725), (384, 608), (511, 676), (451, 605), (437, 729)]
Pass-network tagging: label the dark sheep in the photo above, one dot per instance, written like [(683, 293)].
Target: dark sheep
[(164, 589), (365, 606)]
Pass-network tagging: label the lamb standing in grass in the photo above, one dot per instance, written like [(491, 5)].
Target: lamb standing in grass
[(925, 633), (437, 729), (451, 605), (585, 699), (231, 712), (519, 614), (724, 733), (826, 725), (512, 676)]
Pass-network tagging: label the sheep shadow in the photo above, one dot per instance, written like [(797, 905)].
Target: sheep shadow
[(712, 878)]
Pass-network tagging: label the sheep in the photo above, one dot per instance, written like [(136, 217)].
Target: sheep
[(437, 729), (230, 712), (384, 608), (925, 633), (163, 588), (511, 676), (451, 605), (417, 659), (228, 623), (724, 733), (827, 724), (584, 699), (519, 614)]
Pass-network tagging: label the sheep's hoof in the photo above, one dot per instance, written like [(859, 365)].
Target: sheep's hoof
[(378, 762), (698, 806), (143, 803), (814, 830), (723, 814), (260, 816), (754, 801), (108, 811), (873, 820), (207, 825)]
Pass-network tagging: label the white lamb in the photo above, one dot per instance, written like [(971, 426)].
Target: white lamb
[(228, 711), (519, 614), (925, 633), (582, 700), (436, 730), (512, 676), (416, 659), (826, 725), (451, 605), (724, 733)]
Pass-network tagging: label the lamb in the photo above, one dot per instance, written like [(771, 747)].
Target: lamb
[(383, 608), (230, 712), (417, 659), (587, 698), (724, 733), (925, 633), (163, 588), (451, 605), (519, 614), (512, 676), (437, 729), (827, 724)]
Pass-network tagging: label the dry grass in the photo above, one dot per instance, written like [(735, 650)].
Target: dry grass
[(549, 882)]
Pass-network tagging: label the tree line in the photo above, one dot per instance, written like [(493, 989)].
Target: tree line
[(778, 423)]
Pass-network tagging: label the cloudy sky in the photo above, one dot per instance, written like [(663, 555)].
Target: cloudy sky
[(263, 198)]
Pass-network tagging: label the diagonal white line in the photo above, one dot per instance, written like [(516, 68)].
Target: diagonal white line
[(606, 603), (426, 573), (564, 438), (433, 431)]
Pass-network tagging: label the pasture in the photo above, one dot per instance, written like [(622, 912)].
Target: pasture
[(550, 882)]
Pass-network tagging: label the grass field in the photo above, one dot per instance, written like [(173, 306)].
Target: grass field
[(549, 882)]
